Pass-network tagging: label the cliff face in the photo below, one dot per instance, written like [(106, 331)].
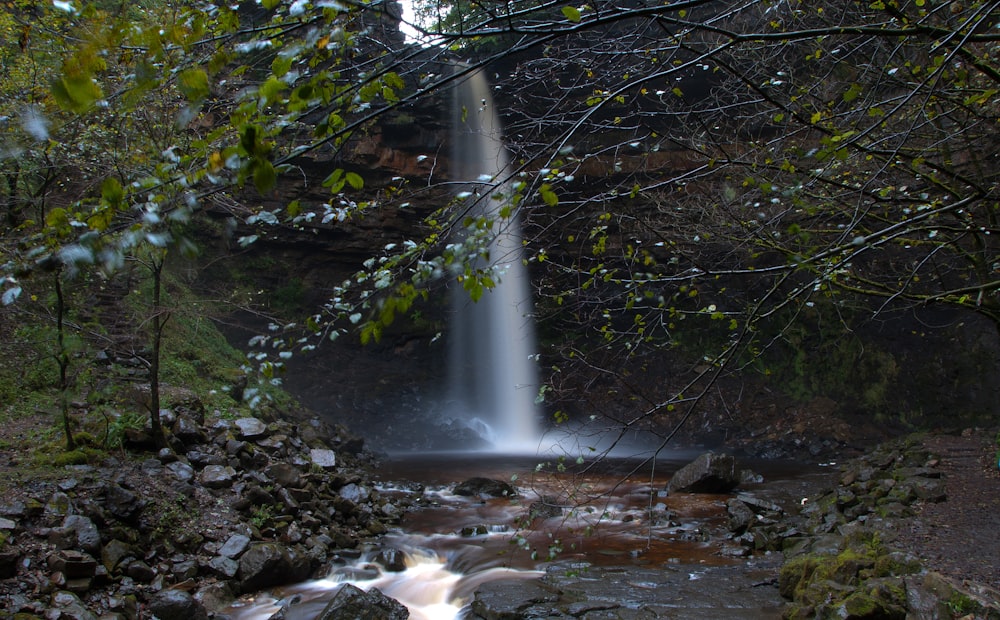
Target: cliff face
[(892, 374)]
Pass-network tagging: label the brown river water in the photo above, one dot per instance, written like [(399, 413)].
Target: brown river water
[(612, 513)]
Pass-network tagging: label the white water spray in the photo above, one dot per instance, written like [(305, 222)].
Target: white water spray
[(493, 379)]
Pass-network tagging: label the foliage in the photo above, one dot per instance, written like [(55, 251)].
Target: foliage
[(745, 162)]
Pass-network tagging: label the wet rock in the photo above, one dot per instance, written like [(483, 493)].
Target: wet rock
[(353, 603), (121, 502), (224, 567), (13, 509), (709, 473), (500, 600), (234, 546), (181, 471), (73, 564), (113, 553), (323, 458), (269, 564), (740, 516), (251, 428), (391, 559), (284, 474), (484, 487), (188, 430), (545, 508), (140, 571), (172, 604), (217, 476), (84, 533), (68, 606), (58, 506), (354, 493)]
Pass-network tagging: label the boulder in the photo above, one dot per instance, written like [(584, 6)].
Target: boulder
[(171, 604), (85, 534), (234, 546), (740, 516), (323, 458), (251, 428), (267, 564), (121, 502), (284, 474), (484, 487), (217, 476), (709, 473), (353, 603)]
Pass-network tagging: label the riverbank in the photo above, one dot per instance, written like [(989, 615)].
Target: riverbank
[(239, 505)]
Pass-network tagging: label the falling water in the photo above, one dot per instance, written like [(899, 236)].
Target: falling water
[(493, 380)]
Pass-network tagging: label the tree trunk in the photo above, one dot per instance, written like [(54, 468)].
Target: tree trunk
[(62, 358), (158, 321)]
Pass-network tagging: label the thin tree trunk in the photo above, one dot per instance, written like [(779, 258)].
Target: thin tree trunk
[(159, 439), (62, 358)]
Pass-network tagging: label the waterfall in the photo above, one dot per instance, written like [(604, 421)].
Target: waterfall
[(492, 379)]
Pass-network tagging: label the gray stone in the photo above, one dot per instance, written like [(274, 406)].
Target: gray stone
[(224, 567), (7, 524), (251, 428), (353, 603), (217, 476), (140, 571), (152, 467), (70, 607), (709, 473), (187, 429), (321, 457), (173, 604), (73, 564), (15, 508), (181, 471), (86, 533), (58, 506), (740, 516), (284, 474), (121, 502), (234, 546), (267, 564), (510, 598), (354, 492), (113, 553)]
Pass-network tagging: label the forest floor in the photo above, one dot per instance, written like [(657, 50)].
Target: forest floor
[(959, 536)]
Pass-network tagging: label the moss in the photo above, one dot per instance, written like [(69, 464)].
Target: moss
[(795, 575), (73, 457)]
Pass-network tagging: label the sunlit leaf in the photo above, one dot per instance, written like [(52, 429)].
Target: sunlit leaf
[(571, 13), (193, 84)]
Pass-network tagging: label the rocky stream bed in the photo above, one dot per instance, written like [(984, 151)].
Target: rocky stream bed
[(236, 506)]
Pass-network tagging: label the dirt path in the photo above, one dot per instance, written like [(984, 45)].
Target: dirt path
[(960, 537)]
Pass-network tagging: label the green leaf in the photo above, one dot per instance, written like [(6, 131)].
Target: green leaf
[(264, 176), (548, 196), (112, 192), (571, 13), (281, 65), (76, 93), (354, 180), (271, 89), (852, 93), (193, 84), (333, 178)]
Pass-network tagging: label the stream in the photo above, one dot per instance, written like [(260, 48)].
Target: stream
[(606, 529)]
